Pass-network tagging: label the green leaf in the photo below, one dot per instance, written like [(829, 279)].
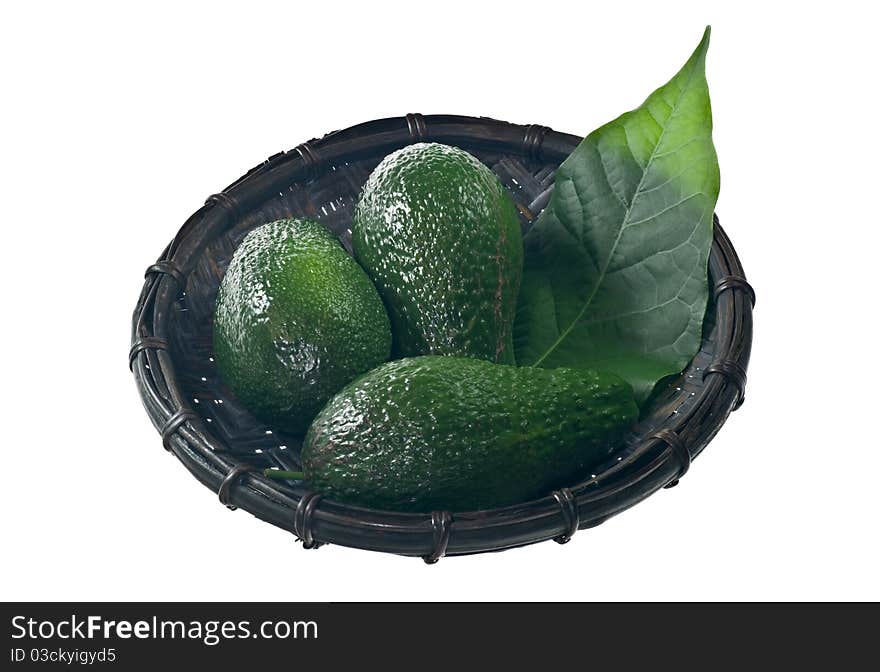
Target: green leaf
[(615, 272)]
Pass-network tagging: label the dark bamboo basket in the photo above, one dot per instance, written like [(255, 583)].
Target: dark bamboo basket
[(227, 449)]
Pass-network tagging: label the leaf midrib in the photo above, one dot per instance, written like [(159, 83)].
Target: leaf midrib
[(636, 194)]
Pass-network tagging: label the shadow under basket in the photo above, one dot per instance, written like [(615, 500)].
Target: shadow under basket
[(227, 449)]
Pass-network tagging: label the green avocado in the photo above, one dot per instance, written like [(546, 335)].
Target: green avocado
[(462, 434), (440, 237), (296, 319)]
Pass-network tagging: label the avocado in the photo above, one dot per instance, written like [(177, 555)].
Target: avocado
[(460, 434), (296, 319), (440, 237)]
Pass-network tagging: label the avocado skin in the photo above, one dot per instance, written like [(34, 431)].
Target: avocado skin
[(296, 319), (449, 433), (439, 235)]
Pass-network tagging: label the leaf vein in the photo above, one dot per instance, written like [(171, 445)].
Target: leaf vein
[(655, 215)]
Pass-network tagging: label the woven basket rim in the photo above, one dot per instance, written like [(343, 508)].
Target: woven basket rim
[(659, 460)]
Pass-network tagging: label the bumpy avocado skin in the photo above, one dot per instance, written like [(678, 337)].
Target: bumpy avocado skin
[(440, 237), (296, 319), (460, 434)]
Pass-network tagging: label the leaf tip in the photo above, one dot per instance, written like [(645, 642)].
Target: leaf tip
[(703, 46), (698, 58)]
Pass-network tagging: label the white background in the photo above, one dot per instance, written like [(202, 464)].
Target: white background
[(117, 123)]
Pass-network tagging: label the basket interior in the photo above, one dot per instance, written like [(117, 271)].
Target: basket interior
[(330, 199)]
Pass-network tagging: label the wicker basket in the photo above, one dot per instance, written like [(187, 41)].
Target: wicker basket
[(227, 449)]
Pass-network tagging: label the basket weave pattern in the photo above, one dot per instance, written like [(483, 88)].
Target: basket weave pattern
[(226, 448)]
